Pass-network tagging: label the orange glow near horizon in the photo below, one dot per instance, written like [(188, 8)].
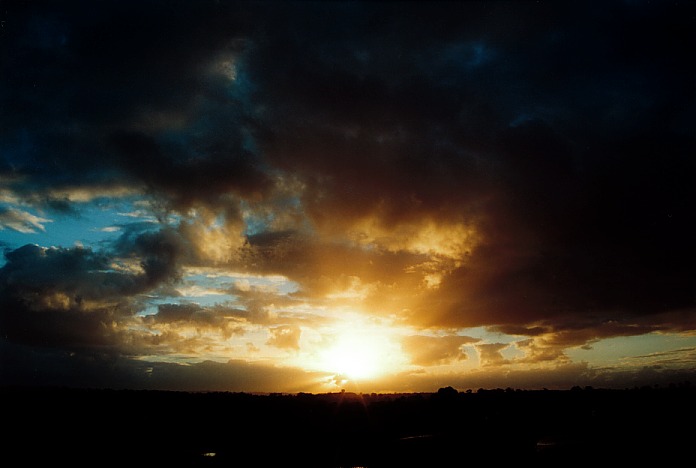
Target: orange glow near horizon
[(354, 356), (361, 352)]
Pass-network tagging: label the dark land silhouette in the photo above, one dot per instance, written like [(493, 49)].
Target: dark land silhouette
[(446, 428)]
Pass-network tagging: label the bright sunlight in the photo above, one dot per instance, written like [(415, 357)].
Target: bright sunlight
[(359, 354), (352, 356)]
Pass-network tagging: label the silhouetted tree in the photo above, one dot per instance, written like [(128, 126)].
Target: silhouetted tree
[(447, 392)]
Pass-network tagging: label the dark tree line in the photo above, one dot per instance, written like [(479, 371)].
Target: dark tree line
[(443, 428)]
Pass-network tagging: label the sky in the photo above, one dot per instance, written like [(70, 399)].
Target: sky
[(370, 196)]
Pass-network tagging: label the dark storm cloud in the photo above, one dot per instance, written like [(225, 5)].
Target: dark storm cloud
[(43, 291), (75, 297), (212, 172), (89, 91), (214, 319), (195, 314), (159, 253), (561, 132), (74, 271)]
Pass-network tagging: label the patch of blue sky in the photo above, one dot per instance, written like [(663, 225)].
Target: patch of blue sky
[(488, 336), (150, 309), (512, 352), (226, 281), (217, 281), (202, 295), (473, 359), (613, 350), (280, 284), (205, 300), (91, 228), (152, 304), (210, 290), (94, 224), (255, 222), (11, 239)]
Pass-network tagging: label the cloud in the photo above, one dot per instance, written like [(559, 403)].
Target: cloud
[(431, 350), (31, 272), (73, 295), (108, 371), (678, 358), (448, 166), (285, 337), (217, 172), (491, 354), (21, 221), (548, 207), (214, 319)]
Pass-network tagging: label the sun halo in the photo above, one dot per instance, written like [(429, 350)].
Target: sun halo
[(357, 355)]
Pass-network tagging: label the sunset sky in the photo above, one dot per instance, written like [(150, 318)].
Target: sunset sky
[(377, 197)]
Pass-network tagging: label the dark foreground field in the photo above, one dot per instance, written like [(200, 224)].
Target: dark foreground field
[(61, 427)]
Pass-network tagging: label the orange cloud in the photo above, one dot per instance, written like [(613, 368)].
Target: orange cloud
[(434, 350)]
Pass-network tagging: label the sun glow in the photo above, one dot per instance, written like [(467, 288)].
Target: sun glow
[(358, 354)]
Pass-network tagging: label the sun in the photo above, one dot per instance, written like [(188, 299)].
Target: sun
[(351, 356), (357, 355)]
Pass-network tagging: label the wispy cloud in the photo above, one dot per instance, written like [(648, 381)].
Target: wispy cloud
[(21, 221)]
